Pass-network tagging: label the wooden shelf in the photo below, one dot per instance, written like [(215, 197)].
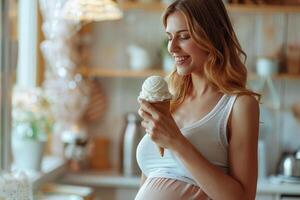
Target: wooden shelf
[(253, 76), (120, 73), (231, 8), (287, 76), (143, 6), (263, 8)]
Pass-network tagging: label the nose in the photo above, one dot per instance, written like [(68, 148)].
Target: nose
[(173, 46)]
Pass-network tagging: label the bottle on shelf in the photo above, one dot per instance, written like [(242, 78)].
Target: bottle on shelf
[(130, 139)]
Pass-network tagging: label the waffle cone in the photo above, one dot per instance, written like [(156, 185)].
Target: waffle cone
[(164, 108)]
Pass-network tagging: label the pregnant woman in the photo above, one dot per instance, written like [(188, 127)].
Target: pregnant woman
[(210, 135)]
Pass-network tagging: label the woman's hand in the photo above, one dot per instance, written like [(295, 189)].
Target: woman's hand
[(161, 127)]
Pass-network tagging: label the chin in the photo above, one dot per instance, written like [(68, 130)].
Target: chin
[(183, 70)]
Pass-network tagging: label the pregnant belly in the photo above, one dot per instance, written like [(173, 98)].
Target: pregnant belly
[(169, 189)]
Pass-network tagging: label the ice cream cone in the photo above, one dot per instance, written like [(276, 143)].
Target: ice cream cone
[(155, 91), (164, 108)]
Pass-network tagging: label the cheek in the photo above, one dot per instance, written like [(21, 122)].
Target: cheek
[(197, 53), (191, 48)]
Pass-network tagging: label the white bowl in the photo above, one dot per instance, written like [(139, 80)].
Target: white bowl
[(267, 66)]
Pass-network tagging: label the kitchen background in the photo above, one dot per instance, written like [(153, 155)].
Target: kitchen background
[(262, 33), (271, 33), (114, 58)]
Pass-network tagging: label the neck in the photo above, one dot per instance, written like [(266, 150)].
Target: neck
[(201, 87)]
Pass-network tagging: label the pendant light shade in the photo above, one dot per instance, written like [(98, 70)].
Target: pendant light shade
[(91, 10)]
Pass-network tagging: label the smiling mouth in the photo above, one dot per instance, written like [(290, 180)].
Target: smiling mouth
[(179, 60)]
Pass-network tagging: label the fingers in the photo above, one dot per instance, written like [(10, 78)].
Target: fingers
[(147, 122), (145, 125), (147, 107), (144, 115)]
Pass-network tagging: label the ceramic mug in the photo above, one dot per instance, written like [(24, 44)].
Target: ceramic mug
[(267, 66), (139, 58)]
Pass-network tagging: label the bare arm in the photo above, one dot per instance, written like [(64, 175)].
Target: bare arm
[(240, 184)]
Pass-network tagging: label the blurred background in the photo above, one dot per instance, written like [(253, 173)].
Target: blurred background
[(71, 71)]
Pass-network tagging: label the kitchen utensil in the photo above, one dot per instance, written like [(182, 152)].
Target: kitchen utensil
[(290, 165), (297, 154), (130, 139)]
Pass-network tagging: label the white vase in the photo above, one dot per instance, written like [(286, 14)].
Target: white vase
[(27, 154)]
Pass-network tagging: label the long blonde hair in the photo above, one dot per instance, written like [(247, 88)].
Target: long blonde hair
[(210, 26)]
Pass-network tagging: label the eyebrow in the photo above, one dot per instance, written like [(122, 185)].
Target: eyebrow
[(183, 30)]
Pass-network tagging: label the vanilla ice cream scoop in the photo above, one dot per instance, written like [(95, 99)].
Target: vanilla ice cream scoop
[(155, 89)]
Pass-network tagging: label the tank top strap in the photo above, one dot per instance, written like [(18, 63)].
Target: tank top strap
[(224, 120)]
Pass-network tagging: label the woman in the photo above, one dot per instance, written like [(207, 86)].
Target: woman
[(211, 132)]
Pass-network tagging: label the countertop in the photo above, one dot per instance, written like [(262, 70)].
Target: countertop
[(279, 185), (52, 168)]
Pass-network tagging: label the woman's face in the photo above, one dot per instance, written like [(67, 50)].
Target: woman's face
[(189, 57)]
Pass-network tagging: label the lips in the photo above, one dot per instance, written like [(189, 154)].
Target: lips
[(179, 60)]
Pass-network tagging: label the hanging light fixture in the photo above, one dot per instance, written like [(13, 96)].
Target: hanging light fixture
[(91, 10)]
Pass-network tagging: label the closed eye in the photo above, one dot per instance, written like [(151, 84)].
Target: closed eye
[(184, 36)]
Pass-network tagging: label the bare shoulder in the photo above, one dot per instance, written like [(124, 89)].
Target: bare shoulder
[(245, 117), (246, 103)]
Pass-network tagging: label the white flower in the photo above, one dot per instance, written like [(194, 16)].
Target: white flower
[(32, 117)]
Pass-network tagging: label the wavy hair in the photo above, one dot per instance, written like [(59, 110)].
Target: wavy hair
[(210, 26)]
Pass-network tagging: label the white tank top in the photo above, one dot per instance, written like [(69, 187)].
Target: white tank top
[(208, 135)]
